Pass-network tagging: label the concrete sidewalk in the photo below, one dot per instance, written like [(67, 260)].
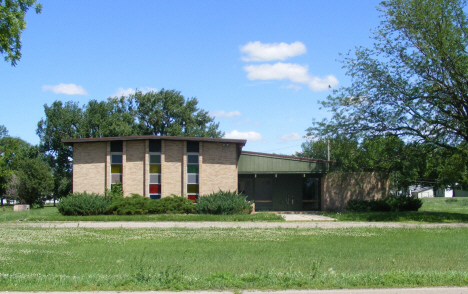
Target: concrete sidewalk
[(197, 225), (432, 290), (293, 217)]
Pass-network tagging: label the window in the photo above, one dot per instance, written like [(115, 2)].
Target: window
[(116, 162), (192, 171), (155, 169)]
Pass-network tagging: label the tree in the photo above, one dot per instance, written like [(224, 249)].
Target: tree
[(407, 163), (4, 173), (11, 151), (63, 121), (413, 82), (12, 24), (168, 113), (26, 176), (3, 131), (36, 183)]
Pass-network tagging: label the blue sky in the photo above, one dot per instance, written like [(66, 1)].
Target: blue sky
[(260, 67)]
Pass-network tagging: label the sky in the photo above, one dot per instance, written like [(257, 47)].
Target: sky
[(259, 67)]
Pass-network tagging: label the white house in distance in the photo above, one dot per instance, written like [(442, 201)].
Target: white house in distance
[(422, 192)]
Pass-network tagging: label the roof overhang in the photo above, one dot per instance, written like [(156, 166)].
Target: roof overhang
[(265, 163), (70, 142)]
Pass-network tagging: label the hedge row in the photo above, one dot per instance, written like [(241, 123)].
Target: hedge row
[(93, 204), (391, 203)]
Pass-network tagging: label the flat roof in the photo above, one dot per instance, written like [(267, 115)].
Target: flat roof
[(70, 142), (265, 163), (288, 157)]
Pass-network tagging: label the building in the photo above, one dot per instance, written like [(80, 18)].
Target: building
[(159, 166), (421, 192)]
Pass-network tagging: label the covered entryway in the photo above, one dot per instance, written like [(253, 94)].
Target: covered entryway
[(282, 192), (281, 183)]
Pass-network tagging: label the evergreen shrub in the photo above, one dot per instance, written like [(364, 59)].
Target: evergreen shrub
[(223, 202), (391, 203), (83, 204)]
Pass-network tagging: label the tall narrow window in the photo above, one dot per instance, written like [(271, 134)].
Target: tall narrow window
[(155, 169), (116, 162), (192, 171)]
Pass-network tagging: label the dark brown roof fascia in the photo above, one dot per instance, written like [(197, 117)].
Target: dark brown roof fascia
[(289, 157), (69, 142)]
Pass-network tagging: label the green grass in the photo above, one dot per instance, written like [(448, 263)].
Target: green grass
[(215, 258), (52, 214), (433, 210)]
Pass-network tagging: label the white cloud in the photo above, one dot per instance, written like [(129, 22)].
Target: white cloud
[(222, 113), (125, 92), (318, 84), (290, 137), (256, 51), (249, 136), (279, 71), (289, 71), (67, 89)]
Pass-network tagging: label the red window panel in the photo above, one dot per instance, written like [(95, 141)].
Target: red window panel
[(193, 198), (155, 189)]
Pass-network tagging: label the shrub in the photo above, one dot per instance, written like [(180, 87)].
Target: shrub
[(83, 204), (137, 204), (174, 204), (403, 203), (223, 202), (358, 205), (391, 203), (115, 192)]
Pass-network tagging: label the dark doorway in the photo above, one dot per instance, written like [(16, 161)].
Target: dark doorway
[(282, 192)]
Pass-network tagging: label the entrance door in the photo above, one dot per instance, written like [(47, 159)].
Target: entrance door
[(287, 195), (263, 193)]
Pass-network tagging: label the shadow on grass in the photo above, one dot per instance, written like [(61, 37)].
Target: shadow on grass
[(407, 216)]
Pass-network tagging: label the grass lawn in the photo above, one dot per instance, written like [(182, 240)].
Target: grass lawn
[(157, 259), (51, 214), (433, 210)]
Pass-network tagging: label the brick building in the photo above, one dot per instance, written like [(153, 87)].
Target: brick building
[(159, 166), (155, 166)]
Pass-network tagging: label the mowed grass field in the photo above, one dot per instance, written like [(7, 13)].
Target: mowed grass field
[(156, 259)]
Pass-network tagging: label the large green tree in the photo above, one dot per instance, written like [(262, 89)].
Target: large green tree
[(35, 181), (168, 113), (406, 163), (413, 82), (12, 24), (63, 120), (26, 175)]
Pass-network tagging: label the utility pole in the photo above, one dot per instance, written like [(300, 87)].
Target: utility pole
[(328, 149)]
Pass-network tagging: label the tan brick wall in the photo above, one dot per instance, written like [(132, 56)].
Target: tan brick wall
[(89, 167), (218, 168), (339, 188), (134, 168), (146, 164), (172, 168), (108, 166)]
